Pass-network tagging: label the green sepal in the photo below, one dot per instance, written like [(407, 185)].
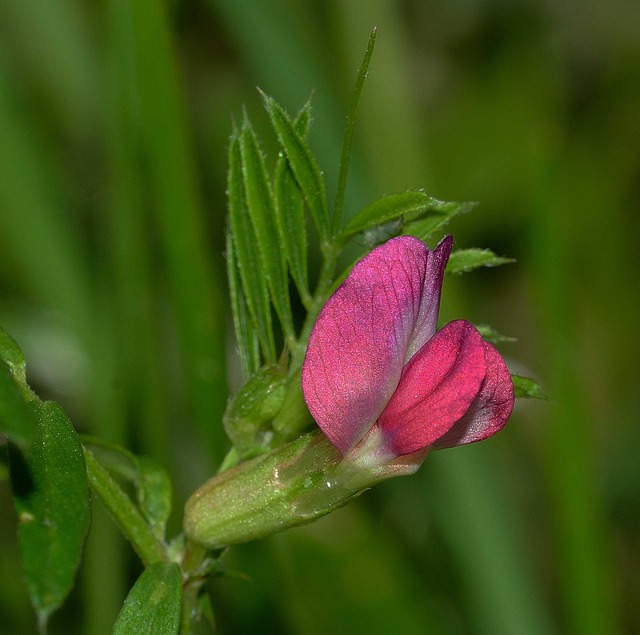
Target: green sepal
[(154, 604), (526, 387), (150, 481), (464, 260), (52, 501), (303, 165), (264, 495), (295, 484)]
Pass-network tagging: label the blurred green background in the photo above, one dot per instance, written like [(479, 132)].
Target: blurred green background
[(114, 120)]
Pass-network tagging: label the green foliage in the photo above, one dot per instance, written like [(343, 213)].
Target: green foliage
[(290, 213), (526, 387), (150, 481), (153, 605), (303, 166), (423, 228), (465, 260), (52, 501), (260, 206), (491, 335), (87, 230), (15, 419), (403, 207), (243, 252)]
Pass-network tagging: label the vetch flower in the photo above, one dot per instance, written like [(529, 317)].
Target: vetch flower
[(383, 385)]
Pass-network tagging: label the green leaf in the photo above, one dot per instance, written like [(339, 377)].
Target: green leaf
[(349, 129), (303, 165), (526, 387), (465, 260), (254, 284), (246, 333), (150, 480), (154, 603), (491, 335), (290, 215), (154, 494), (15, 420), (13, 357), (128, 517), (259, 201), (405, 206), (52, 501), (440, 215)]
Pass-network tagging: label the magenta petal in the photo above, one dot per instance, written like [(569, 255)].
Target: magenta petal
[(358, 345), (427, 319), (437, 388), (490, 410)]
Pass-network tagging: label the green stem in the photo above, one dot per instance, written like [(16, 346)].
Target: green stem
[(196, 568), (130, 521), (330, 259)]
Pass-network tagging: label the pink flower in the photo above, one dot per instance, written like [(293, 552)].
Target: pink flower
[(378, 378)]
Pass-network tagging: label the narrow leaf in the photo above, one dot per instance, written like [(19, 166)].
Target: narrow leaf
[(154, 494), (52, 502), (254, 284), (246, 334), (154, 603), (491, 335), (526, 387), (290, 215), (348, 133), (129, 519), (259, 200), (465, 260), (15, 420), (405, 206), (13, 357), (150, 481), (303, 165), (441, 215)]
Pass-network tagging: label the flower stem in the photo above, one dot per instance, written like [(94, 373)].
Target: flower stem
[(329, 261), (130, 521)]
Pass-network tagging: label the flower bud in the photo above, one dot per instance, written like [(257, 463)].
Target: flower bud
[(249, 414)]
